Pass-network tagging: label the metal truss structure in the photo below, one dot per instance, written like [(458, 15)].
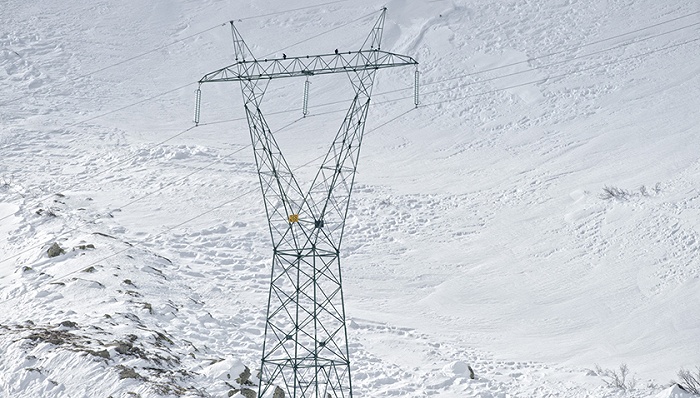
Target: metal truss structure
[(305, 352)]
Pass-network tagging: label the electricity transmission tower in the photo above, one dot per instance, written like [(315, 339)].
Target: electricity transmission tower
[(305, 351)]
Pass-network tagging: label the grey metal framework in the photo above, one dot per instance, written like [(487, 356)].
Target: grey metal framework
[(305, 352)]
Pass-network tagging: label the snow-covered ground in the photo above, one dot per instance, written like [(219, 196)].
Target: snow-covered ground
[(479, 234)]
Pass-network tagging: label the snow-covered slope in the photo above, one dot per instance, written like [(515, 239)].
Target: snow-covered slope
[(480, 232)]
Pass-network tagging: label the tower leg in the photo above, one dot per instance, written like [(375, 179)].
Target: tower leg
[(305, 352)]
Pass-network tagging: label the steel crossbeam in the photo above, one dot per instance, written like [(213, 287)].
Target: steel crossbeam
[(351, 61)]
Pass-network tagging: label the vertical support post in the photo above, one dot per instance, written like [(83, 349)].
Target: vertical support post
[(306, 97), (240, 48), (197, 104), (235, 43), (416, 98), (375, 37)]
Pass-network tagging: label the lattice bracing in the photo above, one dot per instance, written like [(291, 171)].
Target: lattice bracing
[(305, 351), (351, 61)]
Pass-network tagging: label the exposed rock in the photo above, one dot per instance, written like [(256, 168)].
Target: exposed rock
[(101, 353), (128, 373), (51, 336), (246, 392), (49, 213), (123, 347), (69, 324), (244, 377), (161, 337), (279, 393), (55, 250)]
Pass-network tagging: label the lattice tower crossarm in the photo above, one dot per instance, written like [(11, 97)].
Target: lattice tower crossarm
[(312, 65), (305, 351)]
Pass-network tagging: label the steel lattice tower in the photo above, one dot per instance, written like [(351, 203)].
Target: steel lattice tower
[(305, 352)]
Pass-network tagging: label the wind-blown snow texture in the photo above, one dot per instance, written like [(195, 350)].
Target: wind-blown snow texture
[(479, 233)]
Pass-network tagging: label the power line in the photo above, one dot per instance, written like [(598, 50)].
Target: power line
[(163, 94), (551, 54), (594, 42), (486, 80), (402, 115), (135, 57), (201, 32), (293, 9), (187, 221), (388, 92), (133, 104), (180, 87), (79, 77), (566, 61), (147, 52), (509, 74), (378, 103), (157, 235), (144, 196), (490, 91), (521, 62), (319, 35), (552, 77), (107, 169), (308, 163)]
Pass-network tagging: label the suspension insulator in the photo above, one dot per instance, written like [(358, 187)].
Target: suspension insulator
[(416, 99), (197, 105), (306, 97)]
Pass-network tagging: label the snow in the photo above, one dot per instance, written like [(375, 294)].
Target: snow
[(478, 233), (673, 392)]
